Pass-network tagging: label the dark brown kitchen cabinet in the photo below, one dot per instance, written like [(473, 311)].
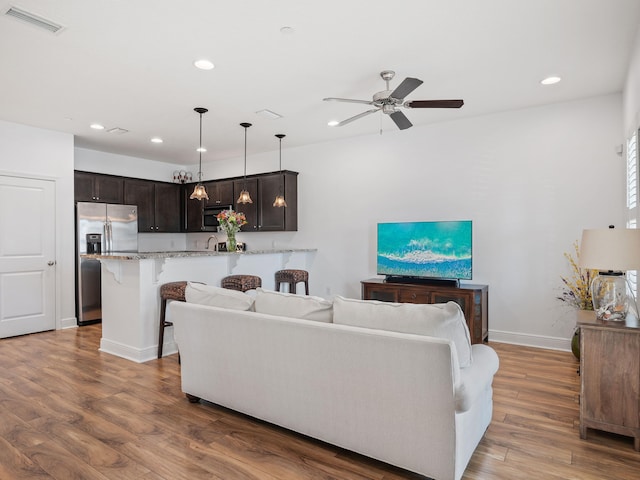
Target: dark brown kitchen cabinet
[(220, 193), (96, 187), (261, 214), (273, 219), (158, 204), (473, 300)]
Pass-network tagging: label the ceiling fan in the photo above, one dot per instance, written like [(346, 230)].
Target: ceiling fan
[(389, 101)]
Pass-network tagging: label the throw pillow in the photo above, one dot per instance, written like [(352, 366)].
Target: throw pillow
[(217, 297), (435, 320), (295, 306)]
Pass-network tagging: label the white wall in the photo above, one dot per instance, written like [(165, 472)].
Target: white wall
[(531, 180), (631, 93), (36, 153), (114, 164)]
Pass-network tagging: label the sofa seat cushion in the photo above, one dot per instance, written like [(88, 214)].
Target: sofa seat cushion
[(217, 297), (435, 320), (304, 307)]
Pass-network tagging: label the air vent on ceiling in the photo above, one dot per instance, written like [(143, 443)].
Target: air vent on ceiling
[(33, 19), (117, 130)]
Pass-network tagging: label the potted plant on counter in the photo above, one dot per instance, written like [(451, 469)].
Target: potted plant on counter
[(230, 223)]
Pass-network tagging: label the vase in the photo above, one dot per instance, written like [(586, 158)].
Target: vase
[(231, 242), (575, 343)]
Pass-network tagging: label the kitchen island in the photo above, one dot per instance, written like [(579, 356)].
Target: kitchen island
[(131, 289)]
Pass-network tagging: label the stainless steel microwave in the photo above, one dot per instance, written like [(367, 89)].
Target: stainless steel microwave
[(209, 214)]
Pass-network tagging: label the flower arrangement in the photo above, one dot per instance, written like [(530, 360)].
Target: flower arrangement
[(230, 222), (576, 290)]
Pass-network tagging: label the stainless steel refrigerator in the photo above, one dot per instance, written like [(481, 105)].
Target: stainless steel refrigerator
[(100, 228)]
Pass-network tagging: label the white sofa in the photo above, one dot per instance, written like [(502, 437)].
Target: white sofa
[(398, 397)]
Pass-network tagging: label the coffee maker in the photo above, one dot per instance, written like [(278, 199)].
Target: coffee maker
[(94, 243)]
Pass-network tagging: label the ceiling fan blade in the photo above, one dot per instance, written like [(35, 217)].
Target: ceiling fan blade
[(356, 117), (407, 86), (401, 120), (347, 100), (434, 104)]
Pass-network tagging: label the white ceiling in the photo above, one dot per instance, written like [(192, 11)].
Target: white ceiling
[(129, 64)]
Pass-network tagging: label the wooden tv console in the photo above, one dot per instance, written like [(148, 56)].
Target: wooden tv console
[(473, 299)]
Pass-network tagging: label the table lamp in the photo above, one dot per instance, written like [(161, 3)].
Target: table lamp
[(611, 251)]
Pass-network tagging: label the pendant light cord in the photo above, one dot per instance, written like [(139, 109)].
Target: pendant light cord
[(200, 152)]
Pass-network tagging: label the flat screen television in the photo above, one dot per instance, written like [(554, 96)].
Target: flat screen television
[(425, 250)]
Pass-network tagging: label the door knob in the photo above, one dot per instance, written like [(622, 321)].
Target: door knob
[(51, 263)]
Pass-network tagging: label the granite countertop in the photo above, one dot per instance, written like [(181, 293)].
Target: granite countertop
[(188, 253)]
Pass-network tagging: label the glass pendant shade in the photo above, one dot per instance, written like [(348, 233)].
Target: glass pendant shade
[(612, 252), (244, 197), (199, 192), (280, 201), (244, 194)]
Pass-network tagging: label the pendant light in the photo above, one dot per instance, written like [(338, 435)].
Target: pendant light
[(280, 201), (199, 192), (244, 194)]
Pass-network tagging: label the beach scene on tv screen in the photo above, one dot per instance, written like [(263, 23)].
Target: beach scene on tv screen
[(425, 249)]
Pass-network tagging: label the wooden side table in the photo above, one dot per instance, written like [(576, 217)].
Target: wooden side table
[(610, 376)]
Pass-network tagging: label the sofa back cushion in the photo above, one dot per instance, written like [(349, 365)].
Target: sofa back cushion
[(217, 297), (295, 306), (435, 320)]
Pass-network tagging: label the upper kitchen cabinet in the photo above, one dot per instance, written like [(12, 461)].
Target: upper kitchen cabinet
[(158, 204), (261, 215), (220, 193), (95, 187), (276, 219)]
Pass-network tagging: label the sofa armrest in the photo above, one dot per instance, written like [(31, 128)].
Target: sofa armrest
[(477, 377)]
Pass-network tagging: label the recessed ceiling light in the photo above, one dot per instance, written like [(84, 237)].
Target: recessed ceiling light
[(287, 30), (97, 126), (201, 149), (204, 64), (156, 140), (550, 80)]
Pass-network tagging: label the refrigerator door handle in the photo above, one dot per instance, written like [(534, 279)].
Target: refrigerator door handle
[(107, 236)]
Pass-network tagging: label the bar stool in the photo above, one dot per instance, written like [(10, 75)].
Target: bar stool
[(168, 291), (241, 283), (292, 277)]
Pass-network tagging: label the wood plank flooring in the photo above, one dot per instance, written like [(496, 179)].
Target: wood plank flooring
[(68, 411)]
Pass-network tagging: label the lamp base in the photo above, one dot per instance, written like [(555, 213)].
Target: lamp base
[(609, 294)]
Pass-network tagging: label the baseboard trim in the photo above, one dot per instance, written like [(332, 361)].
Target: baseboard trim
[(135, 354), (70, 322), (529, 340)]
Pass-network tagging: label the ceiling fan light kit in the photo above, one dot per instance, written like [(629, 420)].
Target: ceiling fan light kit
[(390, 101), (199, 192), (244, 196)]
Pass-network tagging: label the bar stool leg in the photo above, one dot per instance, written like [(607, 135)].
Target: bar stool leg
[(163, 323), (292, 287), (306, 287), (277, 286)]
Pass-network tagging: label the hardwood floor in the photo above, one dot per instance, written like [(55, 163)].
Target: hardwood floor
[(68, 411)]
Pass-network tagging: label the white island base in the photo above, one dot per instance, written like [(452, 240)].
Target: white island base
[(131, 290)]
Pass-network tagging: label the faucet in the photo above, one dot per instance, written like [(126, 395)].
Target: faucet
[(215, 248)]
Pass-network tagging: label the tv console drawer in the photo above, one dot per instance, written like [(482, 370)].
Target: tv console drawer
[(473, 300)]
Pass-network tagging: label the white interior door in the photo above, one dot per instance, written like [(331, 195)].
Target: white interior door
[(27, 255)]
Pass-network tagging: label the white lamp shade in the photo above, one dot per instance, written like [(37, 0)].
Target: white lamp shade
[(616, 249)]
